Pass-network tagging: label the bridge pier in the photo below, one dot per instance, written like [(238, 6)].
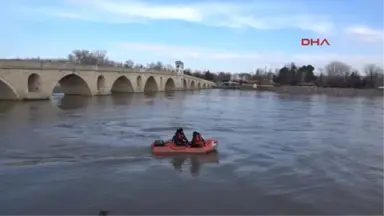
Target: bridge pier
[(7, 92), (36, 80)]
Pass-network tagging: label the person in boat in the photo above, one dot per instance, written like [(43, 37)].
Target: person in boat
[(197, 140), (179, 138)]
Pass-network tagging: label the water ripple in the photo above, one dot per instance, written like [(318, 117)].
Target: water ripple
[(306, 154)]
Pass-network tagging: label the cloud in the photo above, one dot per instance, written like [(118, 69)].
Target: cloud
[(260, 15), (255, 15), (366, 34), (188, 52), (237, 61)]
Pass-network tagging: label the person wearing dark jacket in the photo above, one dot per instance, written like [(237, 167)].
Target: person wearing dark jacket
[(197, 140), (179, 138)]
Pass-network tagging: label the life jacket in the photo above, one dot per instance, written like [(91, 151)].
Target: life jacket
[(180, 136), (198, 140)]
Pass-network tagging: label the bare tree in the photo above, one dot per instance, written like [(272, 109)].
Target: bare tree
[(187, 71), (337, 68), (155, 66), (292, 66), (374, 75), (169, 67), (129, 64), (159, 66), (98, 57), (259, 72), (150, 65)]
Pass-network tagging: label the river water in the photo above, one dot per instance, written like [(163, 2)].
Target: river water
[(278, 154)]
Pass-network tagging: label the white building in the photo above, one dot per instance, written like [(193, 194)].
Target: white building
[(235, 77), (242, 77)]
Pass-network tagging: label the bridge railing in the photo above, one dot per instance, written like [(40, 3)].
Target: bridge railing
[(62, 65), (195, 78), (57, 65)]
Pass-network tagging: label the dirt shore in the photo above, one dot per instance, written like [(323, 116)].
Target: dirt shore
[(321, 90)]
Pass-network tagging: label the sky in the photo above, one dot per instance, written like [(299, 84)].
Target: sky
[(219, 35)]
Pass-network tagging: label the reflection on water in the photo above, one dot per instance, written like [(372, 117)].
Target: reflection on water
[(150, 94), (121, 99), (194, 162), (6, 106), (306, 154), (170, 94), (72, 102)]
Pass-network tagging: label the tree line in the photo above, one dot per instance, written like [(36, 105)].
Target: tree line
[(335, 74)]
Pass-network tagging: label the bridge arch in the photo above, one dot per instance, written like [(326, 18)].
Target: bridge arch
[(170, 85), (7, 92), (192, 85), (34, 82), (100, 82), (150, 85), (185, 85), (161, 82), (203, 86), (122, 85), (74, 84), (198, 85)]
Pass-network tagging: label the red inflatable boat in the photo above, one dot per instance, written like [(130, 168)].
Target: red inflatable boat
[(169, 147)]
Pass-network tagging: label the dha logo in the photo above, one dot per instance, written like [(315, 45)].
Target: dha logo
[(317, 41)]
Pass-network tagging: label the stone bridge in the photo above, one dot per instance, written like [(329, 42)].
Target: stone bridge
[(31, 79)]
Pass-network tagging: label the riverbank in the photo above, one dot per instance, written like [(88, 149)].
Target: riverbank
[(329, 91), (317, 90)]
